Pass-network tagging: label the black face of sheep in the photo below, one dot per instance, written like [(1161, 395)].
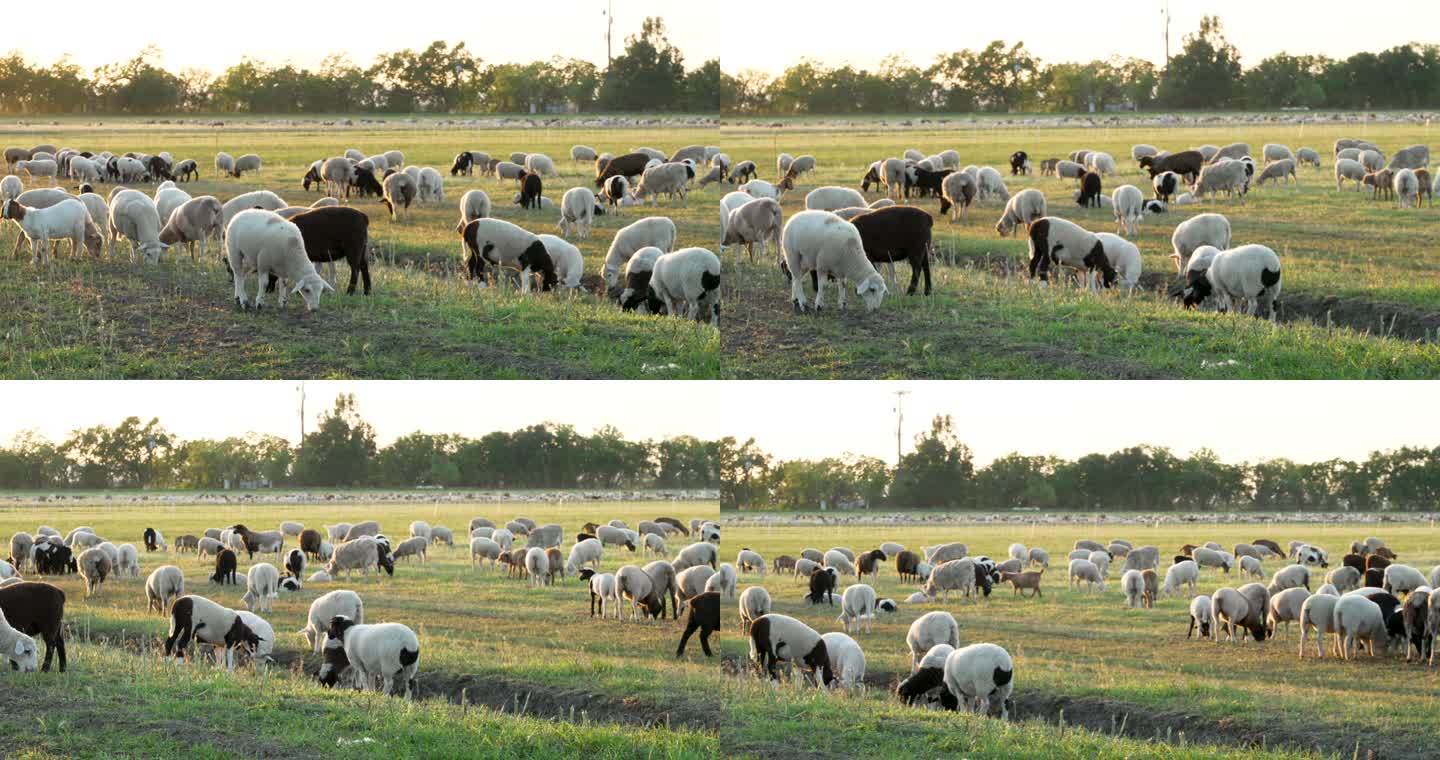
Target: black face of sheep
[(85, 188), (820, 658), (822, 586), (919, 683), (537, 259), (463, 162), (1097, 259), (1018, 160), (149, 538), (1197, 289)]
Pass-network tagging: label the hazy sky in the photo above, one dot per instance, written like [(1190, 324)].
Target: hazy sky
[(219, 409), (1304, 421), (862, 32), (216, 35)]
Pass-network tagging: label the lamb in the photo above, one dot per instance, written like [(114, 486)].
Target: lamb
[(263, 199), (1197, 231), (1403, 579), (262, 585), (754, 602), (746, 221), (704, 617), (687, 282), (657, 231), (830, 247), (1358, 618), (67, 220), (1200, 616), (830, 198), (776, 638), (385, 650), (204, 621), (504, 244), (1058, 241), (1085, 570), (742, 172), (246, 163)]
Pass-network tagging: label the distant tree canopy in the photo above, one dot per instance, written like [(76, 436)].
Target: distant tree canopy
[(648, 75), (341, 452), (939, 473), (1206, 74)]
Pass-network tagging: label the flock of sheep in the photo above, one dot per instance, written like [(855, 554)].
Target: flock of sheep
[(280, 244), (1368, 599), (842, 236), (371, 656)]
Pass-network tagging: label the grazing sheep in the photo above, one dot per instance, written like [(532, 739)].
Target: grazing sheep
[(1200, 616), (670, 179), (385, 650), (165, 584), (363, 554), (1248, 275), (400, 191), (958, 191), (1056, 241), (1285, 607), (94, 566), (1406, 187), (754, 602), (587, 552), (1132, 583), (687, 282), (246, 163), (657, 231), (822, 243), (1025, 207), (505, 244), (1283, 170), (324, 609), (262, 585), (959, 574), (1415, 614), (1090, 191), (1402, 579), (857, 606), (705, 617), (747, 221), (537, 564), (1252, 567), (417, 546), (981, 676), (203, 621), (776, 638), (1229, 610), (1358, 618), (638, 586), (1070, 170), (1085, 570), (831, 198), (1129, 206)]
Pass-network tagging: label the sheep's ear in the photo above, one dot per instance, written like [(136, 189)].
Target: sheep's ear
[(327, 286), (19, 647)]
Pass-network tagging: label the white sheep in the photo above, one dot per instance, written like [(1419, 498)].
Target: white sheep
[(1124, 258), (1100, 163), (1198, 230), (361, 553), (989, 184), (1024, 208), (1128, 204), (19, 648), (262, 585), (1228, 610), (164, 585), (128, 563), (723, 581), (687, 281), (577, 212), (261, 243), (1200, 616), (823, 243), (196, 220), (1357, 618), (1248, 275), (1252, 567), (1283, 171), (979, 675), (1285, 607), (67, 220), (657, 231), (386, 651), (929, 630), (1406, 187), (1059, 242), (588, 552), (1132, 584), (569, 263), (43, 167), (483, 548), (1085, 570), (847, 660), (246, 163), (830, 198), (754, 602), (537, 564), (1402, 579), (670, 179), (1069, 170), (1227, 176), (752, 221)]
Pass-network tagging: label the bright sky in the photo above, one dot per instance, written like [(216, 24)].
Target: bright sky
[(215, 35), (218, 409), (862, 32), (1240, 421)]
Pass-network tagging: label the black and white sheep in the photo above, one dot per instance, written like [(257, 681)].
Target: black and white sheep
[(687, 282), (776, 638), (505, 244), (1249, 275), (929, 630), (384, 651), (1056, 241), (324, 609), (981, 676), (195, 618)]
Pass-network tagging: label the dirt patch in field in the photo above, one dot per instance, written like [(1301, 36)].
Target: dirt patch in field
[(1118, 718)]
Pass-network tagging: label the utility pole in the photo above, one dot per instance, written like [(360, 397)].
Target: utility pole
[(1166, 13), (899, 420), (609, 26), (301, 389)]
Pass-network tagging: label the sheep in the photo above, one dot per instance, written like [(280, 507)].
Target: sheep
[(1349, 169), (263, 199), (67, 220), (723, 581), (1025, 207), (671, 179), (980, 676), (1292, 576), (1285, 607), (1101, 560), (1402, 579), (828, 246), (1085, 570), (587, 552), (262, 585), (857, 606), (1124, 258), (1372, 160), (386, 651), (577, 212), (361, 553), (416, 546), (1132, 583), (945, 552), (1283, 170), (1413, 157), (830, 198), (1307, 157), (1199, 230), (959, 574), (164, 585), (1129, 205), (246, 163), (776, 638), (196, 220), (1406, 188), (1069, 170), (1252, 567), (1205, 557), (1200, 616), (1228, 176), (95, 566), (129, 561), (400, 190), (42, 167), (504, 244), (747, 221), (657, 231), (1229, 610), (537, 564), (687, 282), (957, 192), (204, 621), (1344, 578), (754, 602), (1056, 241), (1249, 274), (1358, 618), (639, 587)]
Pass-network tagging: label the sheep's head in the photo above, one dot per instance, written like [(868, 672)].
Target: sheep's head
[(872, 291), (310, 287), (23, 656)]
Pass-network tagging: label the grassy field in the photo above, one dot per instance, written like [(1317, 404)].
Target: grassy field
[(1361, 296), (109, 318), (1121, 676), (504, 668)]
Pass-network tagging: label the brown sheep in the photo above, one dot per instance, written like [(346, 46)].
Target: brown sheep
[(1381, 184), (1152, 588), (784, 562), (1026, 580), (907, 564)]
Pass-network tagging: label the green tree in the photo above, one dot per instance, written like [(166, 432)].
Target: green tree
[(340, 451), (648, 76), (1206, 73), (939, 472)]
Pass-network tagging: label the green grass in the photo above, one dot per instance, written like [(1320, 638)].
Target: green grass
[(1095, 658), (1353, 273), (110, 318), (503, 643)]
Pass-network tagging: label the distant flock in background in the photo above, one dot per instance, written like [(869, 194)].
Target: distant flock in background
[(1369, 601), (371, 656)]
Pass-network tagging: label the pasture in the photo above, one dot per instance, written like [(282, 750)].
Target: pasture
[(1092, 677), (80, 317), (504, 668), (1360, 300)]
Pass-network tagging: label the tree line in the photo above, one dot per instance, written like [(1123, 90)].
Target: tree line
[(1205, 75), (940, 473), (649, 75), (341, 452)]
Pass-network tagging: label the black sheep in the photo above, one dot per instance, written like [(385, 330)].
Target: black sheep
[(364, 184), (1375, 578), (628, 165), (926, 182), (37, 609), (704, 617), (530, 190), (332, 233), (1019, 163), (158, 169), (907, 565), (1354, 560), (1090, 190), (921, 682), (310, 541), (1186, 163), (868, 564), (225, 563), (895, 233), (150, 540), (464, 164), (822, 586)]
